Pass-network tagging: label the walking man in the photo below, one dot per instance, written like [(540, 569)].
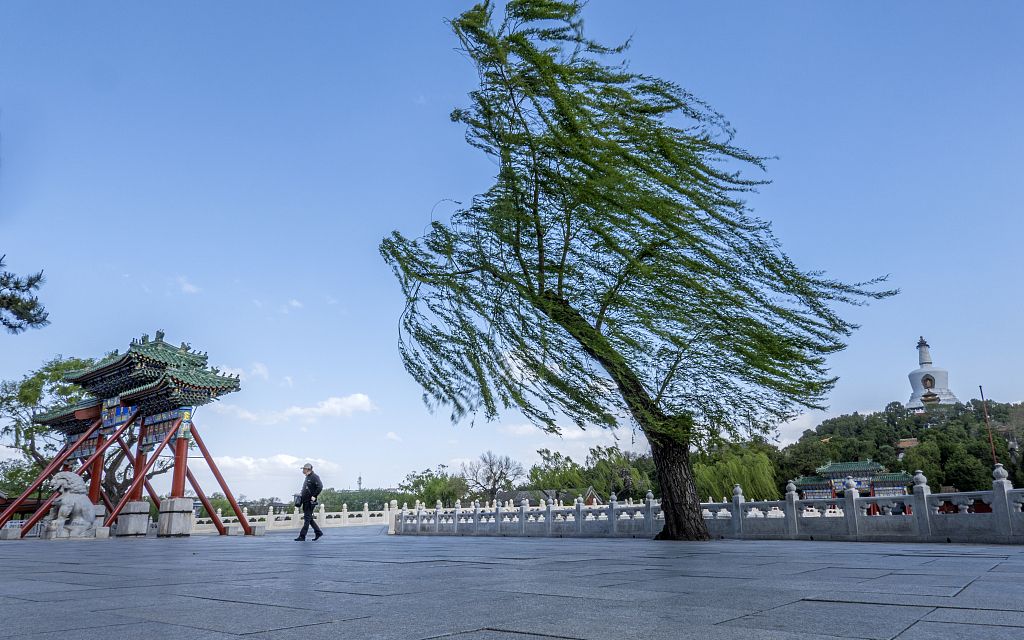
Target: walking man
[(311, 488)]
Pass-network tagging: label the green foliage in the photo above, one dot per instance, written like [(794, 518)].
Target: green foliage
[(429, 486), (333, 499), (555, 472), (716, 473), (20, 309), (954, 448), (16, 476), (612, 470), (38, 391)]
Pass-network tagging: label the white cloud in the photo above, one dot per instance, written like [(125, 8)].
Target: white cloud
[(235, 371), (186, 286), (333, 407), (519, 430), (280, 464), (259, 370), (257, 302), (295, 304), (331, 300), (391, 435), (287, 382), (790, 432)]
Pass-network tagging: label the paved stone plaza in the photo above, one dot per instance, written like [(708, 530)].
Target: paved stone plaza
[(359, 583)]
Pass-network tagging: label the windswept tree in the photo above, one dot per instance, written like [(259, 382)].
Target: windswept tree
[(612, 271), (491, 473), (20, 309)]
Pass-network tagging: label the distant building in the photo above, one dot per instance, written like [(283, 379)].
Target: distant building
[(870, 478), (928, 384)]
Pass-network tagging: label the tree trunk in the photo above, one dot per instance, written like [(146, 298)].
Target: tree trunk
[(680, 503)]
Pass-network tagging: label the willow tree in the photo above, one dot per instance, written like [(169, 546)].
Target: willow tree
[(612, 272)]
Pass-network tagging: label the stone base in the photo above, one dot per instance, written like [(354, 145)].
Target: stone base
[(258, 529), (102, 532), (133, 519), (176, 518), (10, 534), (234, 529)]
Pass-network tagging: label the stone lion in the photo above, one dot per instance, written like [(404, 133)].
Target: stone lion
[(73, 514)]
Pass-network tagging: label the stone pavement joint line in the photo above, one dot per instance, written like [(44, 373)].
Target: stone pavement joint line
[(358, 583)]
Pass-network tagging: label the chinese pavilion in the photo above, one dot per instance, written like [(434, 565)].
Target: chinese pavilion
[(150, 391), (870, 478)]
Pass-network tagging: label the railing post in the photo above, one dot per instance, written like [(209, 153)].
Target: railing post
[(612, 520), (524, 506), (419, 517), (921, 492), (649, 514), (579, 514), (850, 495), (737, 511), (344, 514), (497, 516), (476, 517), (791, 511), (458, 514), (321, 515), (1001, 502), (437, 516), (548, 526)]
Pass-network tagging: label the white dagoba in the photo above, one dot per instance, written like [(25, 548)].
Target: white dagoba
[(929, 384)]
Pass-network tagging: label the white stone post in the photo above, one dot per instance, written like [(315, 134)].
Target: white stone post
[(524, 506), (458, 514), (321, 515), (850, 495), (547, 516), (791, 511), (1001, 502), (497, 517), (612, 520), (579, 514), (649, 514), (401, 518), (419, 517), (476, 516), (437, 516), (344, 514), (737, 511), (921, 492), (366, 513)]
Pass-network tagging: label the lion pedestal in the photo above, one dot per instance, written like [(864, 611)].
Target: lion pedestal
[(73, 515)]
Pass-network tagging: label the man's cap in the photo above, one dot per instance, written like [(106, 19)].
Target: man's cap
[(307, 466)]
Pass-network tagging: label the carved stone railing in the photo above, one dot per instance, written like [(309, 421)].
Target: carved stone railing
[(292, 519), (615, 519), (995, 516)]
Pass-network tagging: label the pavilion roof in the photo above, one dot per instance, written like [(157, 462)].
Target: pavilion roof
[(153, 375), (806, 481), (864, 466), (899, 477)]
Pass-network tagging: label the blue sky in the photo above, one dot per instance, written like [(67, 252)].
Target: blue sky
[(225, 172)]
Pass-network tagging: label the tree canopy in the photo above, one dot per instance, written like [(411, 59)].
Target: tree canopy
[(612, 271)]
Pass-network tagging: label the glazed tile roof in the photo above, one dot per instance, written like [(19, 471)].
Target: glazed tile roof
[(144, 352), (848, 467), (900, 477), (64, 414)]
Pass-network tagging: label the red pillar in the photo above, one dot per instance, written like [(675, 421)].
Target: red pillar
[(137, 467), (96, 475), (180, 468)]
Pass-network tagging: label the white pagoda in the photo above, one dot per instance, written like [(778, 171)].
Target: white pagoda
[(929, 384)]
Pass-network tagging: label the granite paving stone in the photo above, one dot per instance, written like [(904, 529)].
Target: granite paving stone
[(357, 583)]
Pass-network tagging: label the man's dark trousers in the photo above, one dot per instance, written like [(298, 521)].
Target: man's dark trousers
[(308, 519)]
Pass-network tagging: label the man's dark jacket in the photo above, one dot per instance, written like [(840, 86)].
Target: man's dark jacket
[(311, 488)]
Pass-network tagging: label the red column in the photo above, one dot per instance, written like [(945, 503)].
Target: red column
[(180, 468), (138, 466), (96, 475)]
